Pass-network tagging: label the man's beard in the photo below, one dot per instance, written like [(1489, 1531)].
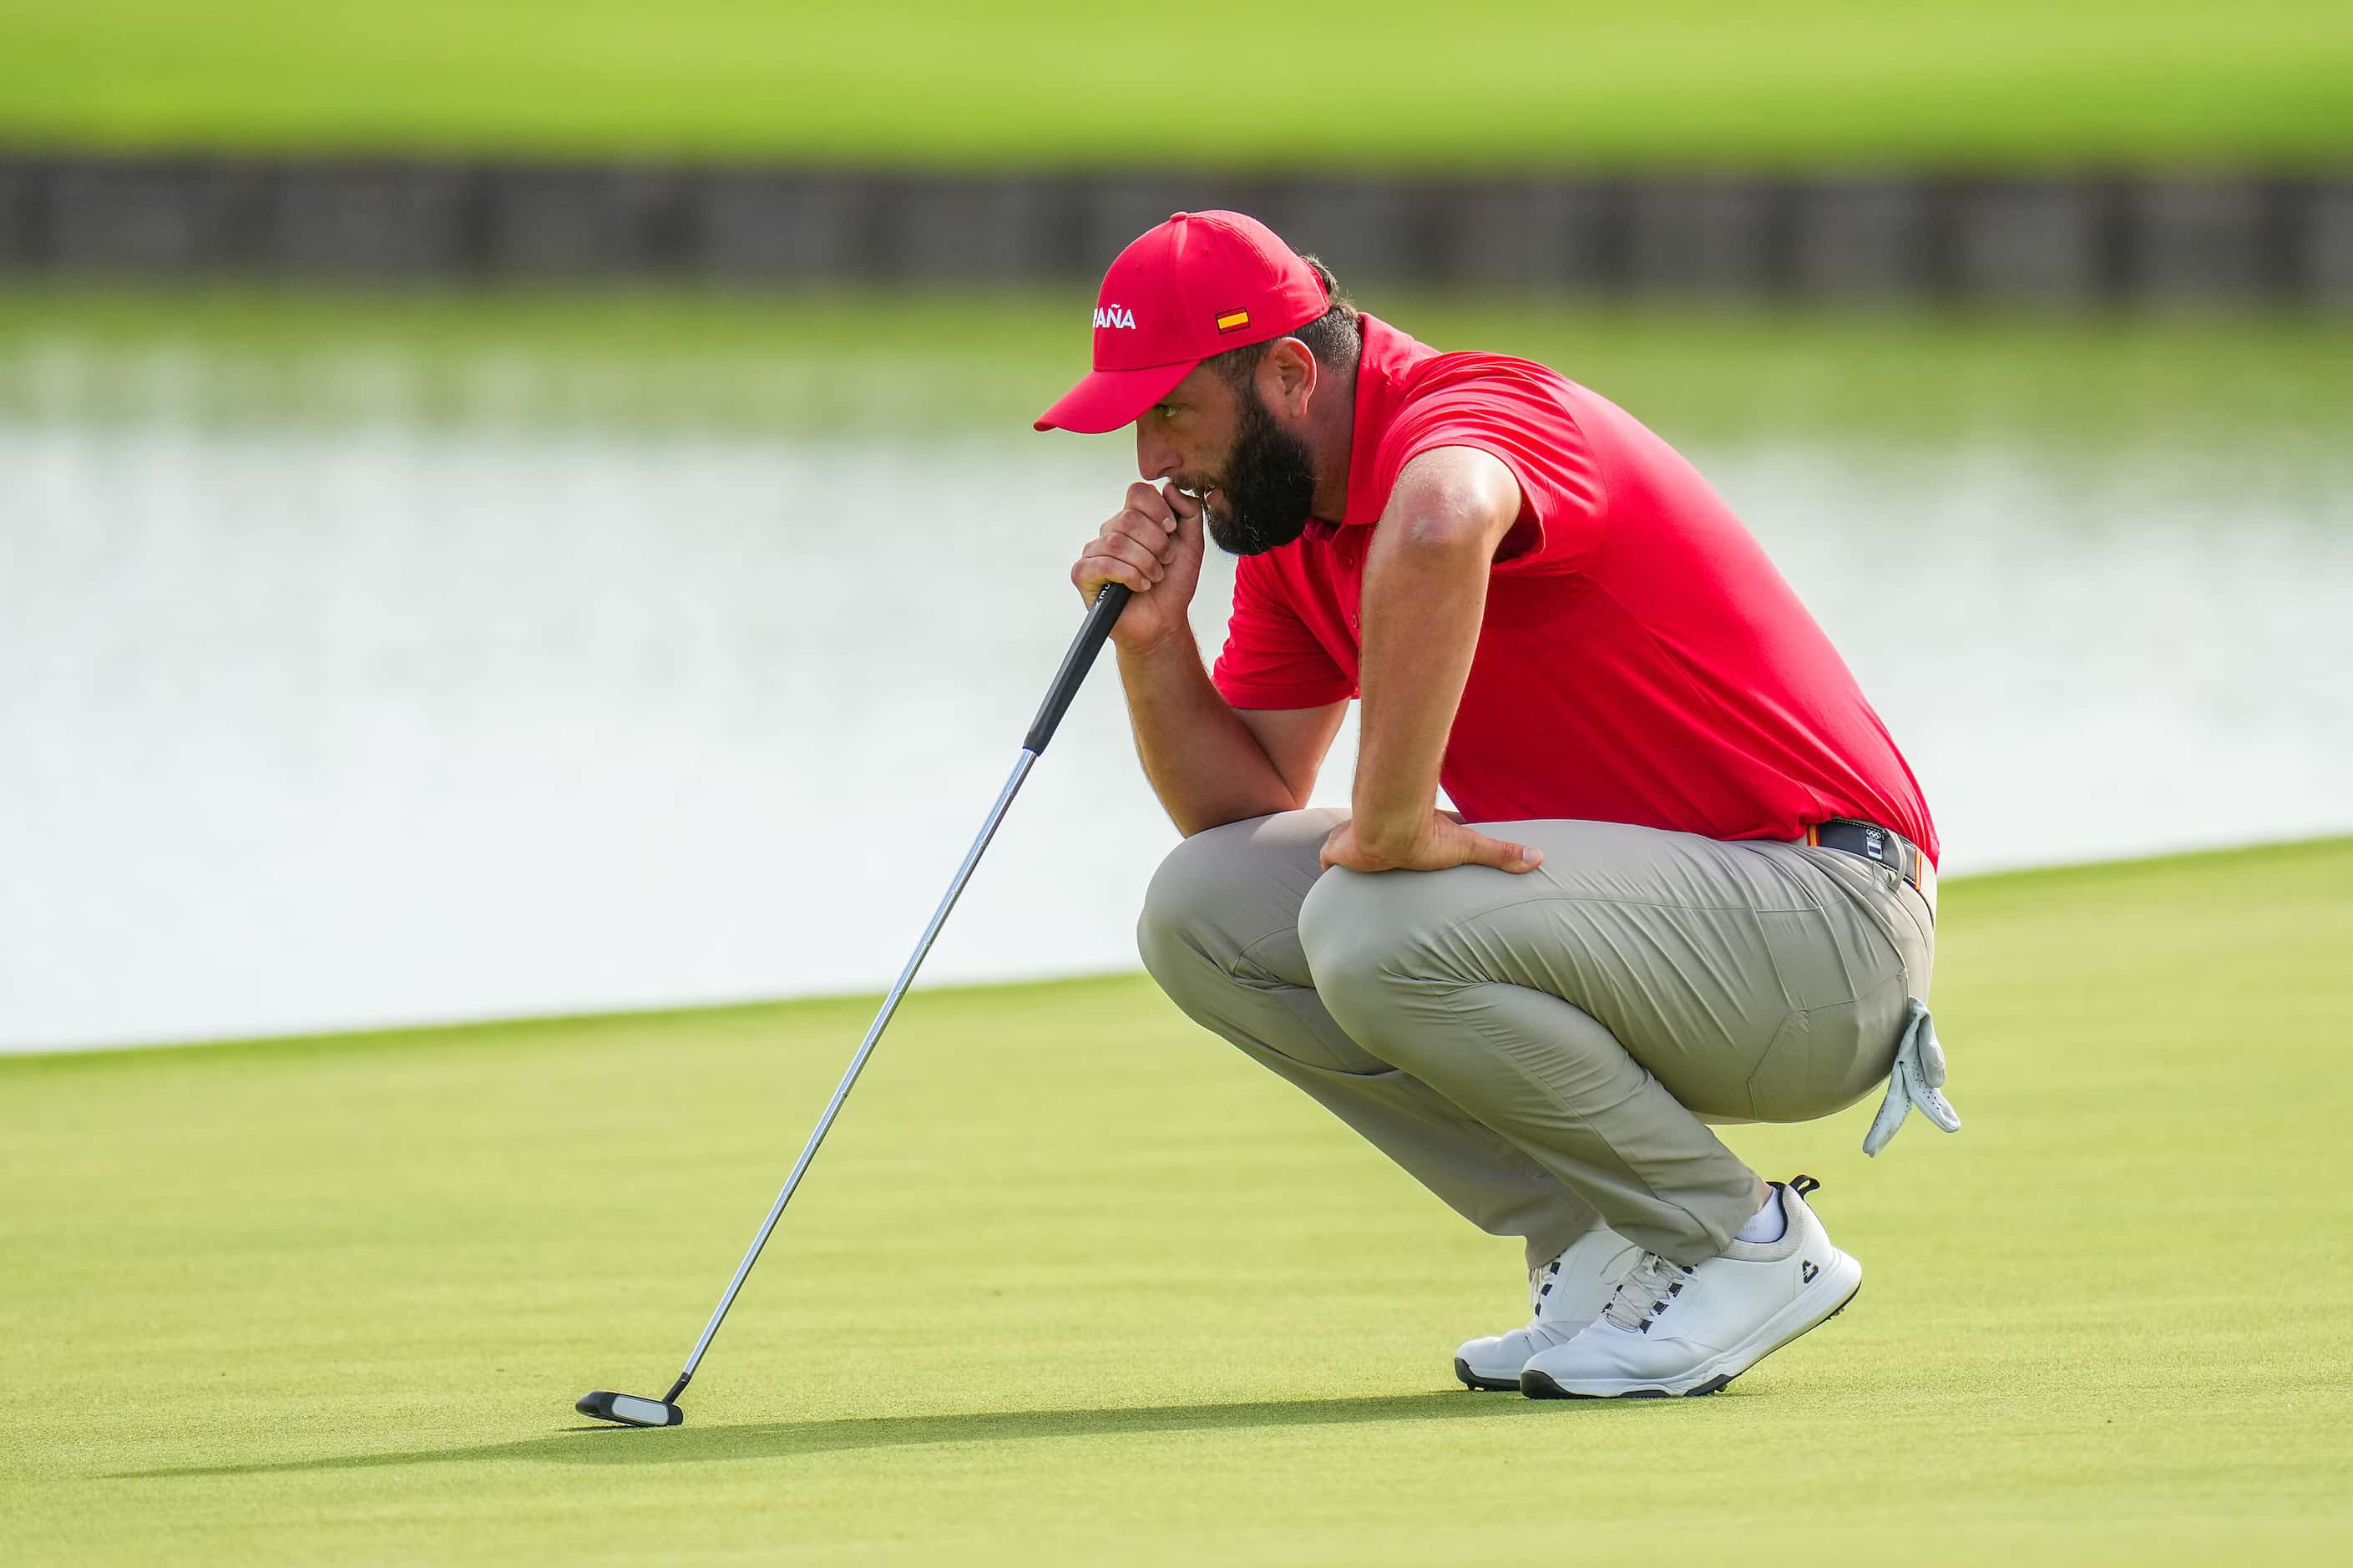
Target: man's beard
[(1263, 501)]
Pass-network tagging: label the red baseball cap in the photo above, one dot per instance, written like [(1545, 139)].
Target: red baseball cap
[(1198, 285)]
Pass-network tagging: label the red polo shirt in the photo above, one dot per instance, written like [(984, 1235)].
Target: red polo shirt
[(1640, 659)]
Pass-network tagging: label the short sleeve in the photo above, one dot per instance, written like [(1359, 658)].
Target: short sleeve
[(1271, 659), (1515, 411)]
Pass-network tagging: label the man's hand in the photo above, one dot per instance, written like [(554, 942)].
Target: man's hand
[(1153, 546), (1441, 842)]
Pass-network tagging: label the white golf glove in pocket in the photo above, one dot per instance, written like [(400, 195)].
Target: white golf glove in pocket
[(1918, 1079)]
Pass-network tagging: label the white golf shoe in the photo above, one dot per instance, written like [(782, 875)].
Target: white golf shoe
[(1563, 1296), (1671, 1330)]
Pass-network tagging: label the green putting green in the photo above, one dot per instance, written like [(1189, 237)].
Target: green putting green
[(2000, 83), (1076, 1283)]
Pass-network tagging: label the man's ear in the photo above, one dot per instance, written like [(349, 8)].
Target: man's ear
[(1286, 377)]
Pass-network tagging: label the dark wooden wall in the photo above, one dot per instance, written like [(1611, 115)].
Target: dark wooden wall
[(2088, 239)]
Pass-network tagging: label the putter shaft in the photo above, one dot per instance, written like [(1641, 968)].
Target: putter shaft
[(606, 1405), (866, 1048)]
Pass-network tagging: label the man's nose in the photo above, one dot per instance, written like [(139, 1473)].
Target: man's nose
[(1154, 460)]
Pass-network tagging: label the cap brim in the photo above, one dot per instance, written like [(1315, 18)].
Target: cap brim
[(1107, 399)]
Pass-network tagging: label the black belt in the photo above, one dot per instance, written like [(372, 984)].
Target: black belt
[(1872, 842)]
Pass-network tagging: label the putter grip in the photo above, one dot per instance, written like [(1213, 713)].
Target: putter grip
[(1075, 665)]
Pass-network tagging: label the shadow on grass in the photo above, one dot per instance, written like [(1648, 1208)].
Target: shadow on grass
[(788, 1440)]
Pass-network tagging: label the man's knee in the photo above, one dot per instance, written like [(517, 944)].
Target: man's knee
[(1229, 896), (1179, 903), (1384, 965), (1200, 910), (1358, 937)]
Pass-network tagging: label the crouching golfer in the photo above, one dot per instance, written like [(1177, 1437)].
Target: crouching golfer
[(1692, 881)]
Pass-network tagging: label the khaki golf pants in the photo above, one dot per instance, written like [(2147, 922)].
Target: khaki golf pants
[(1545, 1049)]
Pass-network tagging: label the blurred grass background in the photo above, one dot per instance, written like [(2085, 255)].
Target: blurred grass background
[(2000, 84), (934, 360)]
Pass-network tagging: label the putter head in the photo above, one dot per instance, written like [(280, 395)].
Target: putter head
[(629, 1410)]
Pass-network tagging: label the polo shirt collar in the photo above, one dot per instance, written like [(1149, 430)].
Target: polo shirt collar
[(1387, 361)]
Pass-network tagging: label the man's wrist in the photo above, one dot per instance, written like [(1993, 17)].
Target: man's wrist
[(1389, 833), (1176, 641)]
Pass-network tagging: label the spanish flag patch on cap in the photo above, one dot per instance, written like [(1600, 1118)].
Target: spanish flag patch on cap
[(1233, 321)]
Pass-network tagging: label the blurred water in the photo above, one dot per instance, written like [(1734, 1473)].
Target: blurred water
[(320, 727)]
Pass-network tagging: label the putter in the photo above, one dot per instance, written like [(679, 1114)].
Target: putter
[(633, 1410)]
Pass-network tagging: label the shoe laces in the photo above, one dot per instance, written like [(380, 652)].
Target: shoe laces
[(1540, 1285), (1644, 1293)]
